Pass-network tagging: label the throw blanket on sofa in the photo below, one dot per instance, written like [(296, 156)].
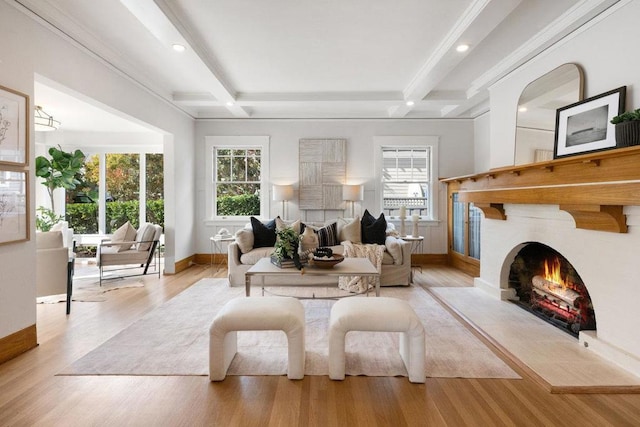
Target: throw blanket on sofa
[(370, 251)]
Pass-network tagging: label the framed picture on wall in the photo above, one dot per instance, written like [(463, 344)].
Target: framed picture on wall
[(14, 127), (586, 126), (14, 209)]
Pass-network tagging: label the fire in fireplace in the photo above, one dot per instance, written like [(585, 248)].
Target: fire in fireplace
[(547, 285)]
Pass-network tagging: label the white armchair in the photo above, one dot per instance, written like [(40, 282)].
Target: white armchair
[(123, 252), (54, 266)]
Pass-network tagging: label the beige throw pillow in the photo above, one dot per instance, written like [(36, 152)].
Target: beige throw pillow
[(394, 247), (145, 236), (309, 239), (282, 224), (126, 233), (244, 239), (350, 230)]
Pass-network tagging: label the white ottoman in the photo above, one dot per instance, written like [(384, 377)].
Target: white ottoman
[(256, 314), (379, 315)]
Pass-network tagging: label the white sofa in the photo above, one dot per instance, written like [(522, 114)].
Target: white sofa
[(395, 271)]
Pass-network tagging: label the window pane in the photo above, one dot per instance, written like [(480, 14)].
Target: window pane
[(458, 225), (81, 210), (155, 189), (239, 169), (238, 180), (405, 174), (122, 194), (474, 231), (223, 169)]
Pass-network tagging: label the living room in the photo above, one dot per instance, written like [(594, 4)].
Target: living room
[(32, 49)]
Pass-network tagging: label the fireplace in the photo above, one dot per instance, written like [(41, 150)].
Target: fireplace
[(547, 285)]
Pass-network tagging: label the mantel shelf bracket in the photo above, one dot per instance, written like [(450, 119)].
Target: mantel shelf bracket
[(593, 162), (598, 217), (492, 210)]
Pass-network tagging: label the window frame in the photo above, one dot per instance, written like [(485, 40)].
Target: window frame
[(243, 143), (415, 143)]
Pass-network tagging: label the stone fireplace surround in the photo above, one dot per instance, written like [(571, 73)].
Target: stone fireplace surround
[(551, 213)]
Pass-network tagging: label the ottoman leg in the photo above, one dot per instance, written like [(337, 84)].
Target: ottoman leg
[(337, 356), (412, 351), (296, 354), (222, 350)]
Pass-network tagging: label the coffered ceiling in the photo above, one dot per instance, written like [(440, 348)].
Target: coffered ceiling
[(317, 58)]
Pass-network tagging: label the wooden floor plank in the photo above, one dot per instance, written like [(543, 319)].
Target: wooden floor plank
[(32, 394)]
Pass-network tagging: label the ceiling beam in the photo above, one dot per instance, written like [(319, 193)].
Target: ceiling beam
[(475, 23), (162, 22)]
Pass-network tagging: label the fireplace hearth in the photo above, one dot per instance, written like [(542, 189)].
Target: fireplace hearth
[(548, 286)]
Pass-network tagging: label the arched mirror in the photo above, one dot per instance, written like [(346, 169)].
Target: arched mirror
[(536, 120)]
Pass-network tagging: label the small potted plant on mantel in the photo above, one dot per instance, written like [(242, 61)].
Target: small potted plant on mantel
[(627, 128)]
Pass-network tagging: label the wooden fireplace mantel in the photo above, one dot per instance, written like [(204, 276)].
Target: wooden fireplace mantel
[(592, 188)]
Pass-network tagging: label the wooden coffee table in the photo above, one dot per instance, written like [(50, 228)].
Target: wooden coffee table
[(348, 267)]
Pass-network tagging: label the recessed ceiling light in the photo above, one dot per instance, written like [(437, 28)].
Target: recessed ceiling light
[(522, 109), (229, 103), (178, 47), (410, 103), (462, 47)]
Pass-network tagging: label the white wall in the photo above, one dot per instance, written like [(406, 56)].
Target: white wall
[(602, 259), (455, 146), (482, 139), (599, 48), (26, 48)]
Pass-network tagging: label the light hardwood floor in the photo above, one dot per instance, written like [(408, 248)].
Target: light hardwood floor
[(32, 394)]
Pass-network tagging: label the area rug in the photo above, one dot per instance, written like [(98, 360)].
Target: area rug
[(174, 339), (89, 290)]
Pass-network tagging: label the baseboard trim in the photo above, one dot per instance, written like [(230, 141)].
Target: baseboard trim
[(183, 264), (441, 259), (17, 343)]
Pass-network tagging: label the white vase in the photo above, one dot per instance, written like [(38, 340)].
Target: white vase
[(402, 230), (415, 232)]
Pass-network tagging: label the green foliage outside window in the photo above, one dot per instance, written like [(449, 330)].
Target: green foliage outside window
[(84, 216), (242, 205)]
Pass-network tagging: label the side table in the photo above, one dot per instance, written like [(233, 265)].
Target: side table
[(218, 244), (416, 247)]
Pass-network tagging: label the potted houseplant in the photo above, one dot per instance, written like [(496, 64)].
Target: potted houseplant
[(285, 252), (627, 128)]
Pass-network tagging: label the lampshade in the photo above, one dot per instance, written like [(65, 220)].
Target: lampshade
[(353, 192), (282, 192), (43, 121)]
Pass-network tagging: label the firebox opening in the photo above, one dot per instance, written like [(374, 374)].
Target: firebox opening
[(548, 286)]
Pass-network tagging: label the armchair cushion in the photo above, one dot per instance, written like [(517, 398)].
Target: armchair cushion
[(144, 236), (126, 233)]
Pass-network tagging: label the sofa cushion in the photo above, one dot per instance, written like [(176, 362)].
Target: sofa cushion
[(48, 239), (282, 224), (264, 235), (328, 235), (373, 230), (350, 230), (126, 233), (254, 255), (244, 239)]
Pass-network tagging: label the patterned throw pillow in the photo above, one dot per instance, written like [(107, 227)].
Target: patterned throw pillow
[(373, 230), (328, 235), (264, 235), (309, 239)]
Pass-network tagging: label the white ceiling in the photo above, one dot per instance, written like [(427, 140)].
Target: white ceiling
[(316, 59)]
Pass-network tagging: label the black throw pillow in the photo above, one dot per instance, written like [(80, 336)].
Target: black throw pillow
[(373, 230), (264, 235)]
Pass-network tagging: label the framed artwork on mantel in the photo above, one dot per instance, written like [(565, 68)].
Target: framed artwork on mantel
[(586, 126), (14, 127)]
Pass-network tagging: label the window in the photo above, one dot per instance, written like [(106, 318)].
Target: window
[(406, 180), (237, 181), (237, 167)]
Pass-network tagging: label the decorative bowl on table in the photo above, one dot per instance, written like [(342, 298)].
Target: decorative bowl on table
[(325, 262)]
